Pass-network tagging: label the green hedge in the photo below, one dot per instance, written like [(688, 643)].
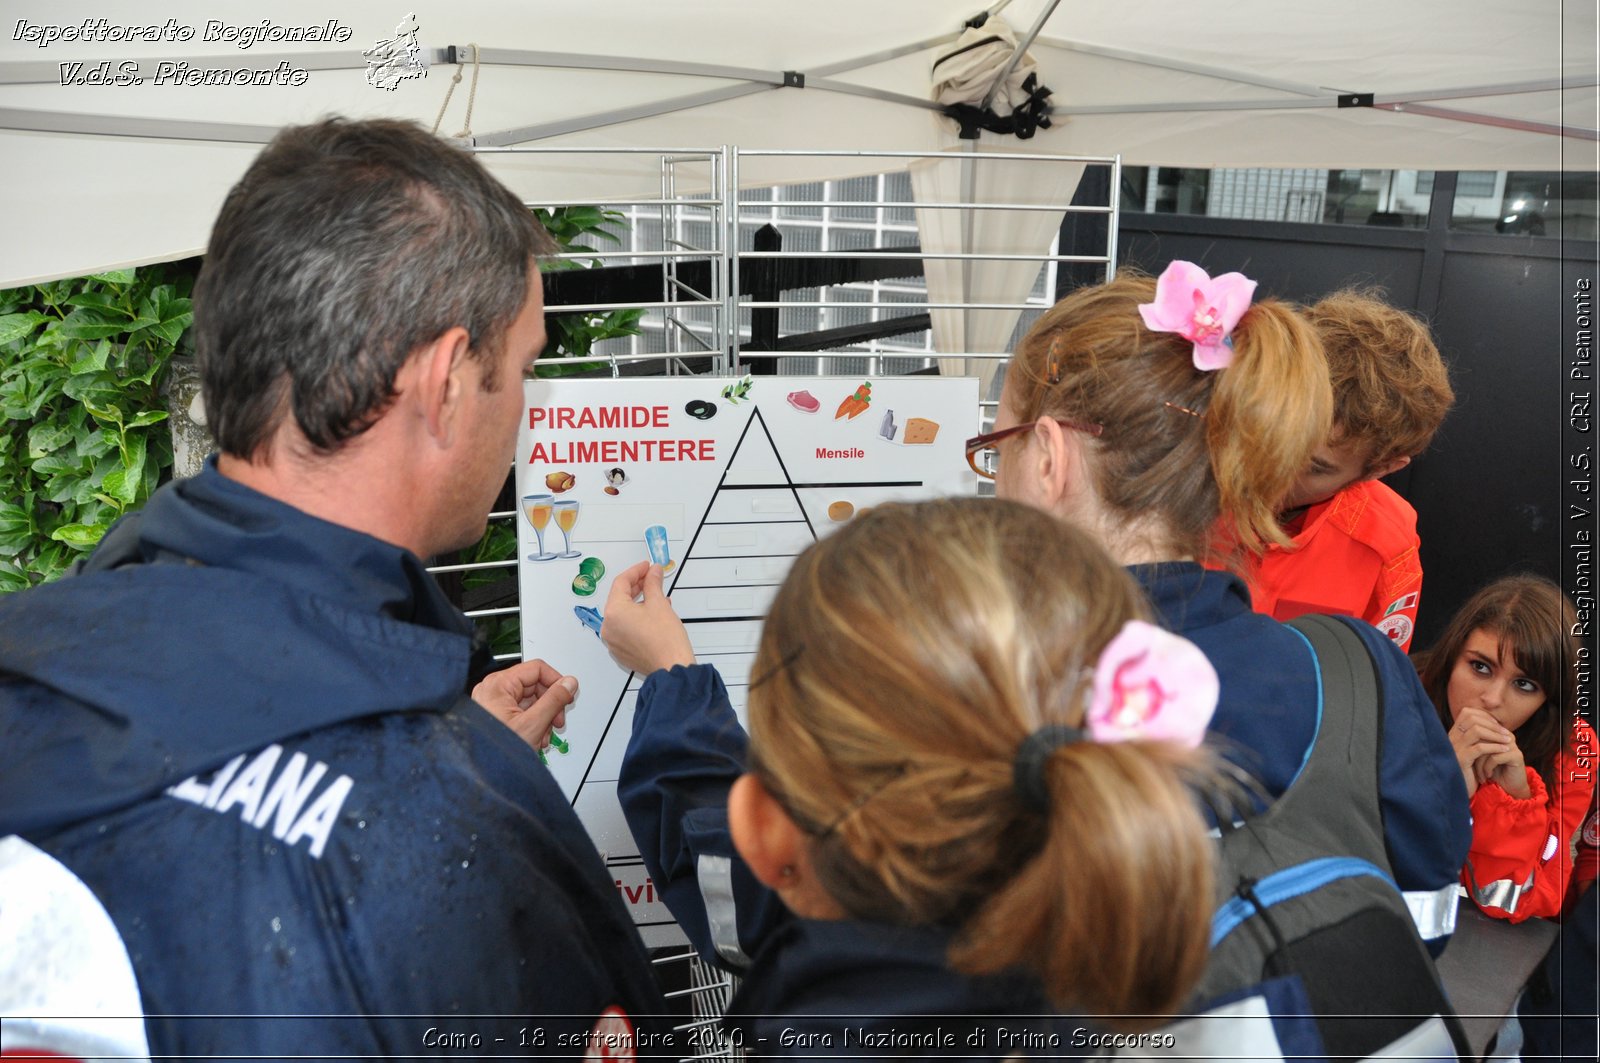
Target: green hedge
[(82, 362)]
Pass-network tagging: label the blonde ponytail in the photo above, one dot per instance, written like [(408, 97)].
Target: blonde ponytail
[(904, 663), (1178, 443), (1269, 411), (1121, 890)]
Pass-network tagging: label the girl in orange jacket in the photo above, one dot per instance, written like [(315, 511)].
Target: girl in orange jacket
[(1504, 680)]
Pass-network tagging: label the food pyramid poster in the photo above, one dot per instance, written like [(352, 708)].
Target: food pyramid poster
[(725, 482)]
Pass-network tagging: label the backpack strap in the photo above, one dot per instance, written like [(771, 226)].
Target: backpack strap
[(1345, 752)]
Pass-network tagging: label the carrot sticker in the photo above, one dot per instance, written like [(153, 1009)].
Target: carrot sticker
[(856, 404)]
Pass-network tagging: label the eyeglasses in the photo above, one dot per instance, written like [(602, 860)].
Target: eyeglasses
[(810, 826), (982, 453)]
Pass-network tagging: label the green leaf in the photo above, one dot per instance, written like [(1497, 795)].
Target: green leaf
[(92, 360), (96, 478), (150, 372), (52, 561), (584, 218), (93, 441), (166, 316), (152, 475), (12, 578), (115, 276), (51, 464), (100, 300), (16, 529), (118, 488), (87, 323), (16, 400), (123, 482), (80, 536), (109, 413), (147, 417), (47, 438), (16, 326)]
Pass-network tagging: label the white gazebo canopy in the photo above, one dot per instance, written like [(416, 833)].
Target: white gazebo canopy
[(105, 175)]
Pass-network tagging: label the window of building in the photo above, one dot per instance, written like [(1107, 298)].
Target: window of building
[(1531, 203), (1518, 203), (1390, 198)]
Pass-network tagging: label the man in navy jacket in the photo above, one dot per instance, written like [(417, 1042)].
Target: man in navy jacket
[(245, 802)]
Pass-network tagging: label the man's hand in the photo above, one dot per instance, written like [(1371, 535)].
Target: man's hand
[(531, 698), (642, 632)]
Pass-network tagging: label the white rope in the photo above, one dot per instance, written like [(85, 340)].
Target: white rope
[(472, 95)]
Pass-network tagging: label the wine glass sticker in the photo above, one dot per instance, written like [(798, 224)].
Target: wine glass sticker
[(566, 513), (537, 509)]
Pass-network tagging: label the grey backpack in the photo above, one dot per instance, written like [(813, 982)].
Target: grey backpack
[(1313, 949)]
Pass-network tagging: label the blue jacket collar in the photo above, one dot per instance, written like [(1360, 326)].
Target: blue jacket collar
[(213, 623), (213, 520), (1187, 597)]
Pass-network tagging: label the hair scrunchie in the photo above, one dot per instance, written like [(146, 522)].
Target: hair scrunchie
[(1027, 768), (1149, 685)]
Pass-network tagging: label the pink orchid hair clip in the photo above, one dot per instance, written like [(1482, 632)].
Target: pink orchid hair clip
[(1201, 309), (1152, 685)]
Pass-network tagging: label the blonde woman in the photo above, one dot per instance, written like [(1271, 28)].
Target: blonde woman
[(962, 792), (1149, 413)]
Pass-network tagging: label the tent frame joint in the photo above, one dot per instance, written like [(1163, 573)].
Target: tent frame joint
[(1356, 99), (794, 79)]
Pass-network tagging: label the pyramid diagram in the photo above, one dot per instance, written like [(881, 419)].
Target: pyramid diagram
[(754, 525)]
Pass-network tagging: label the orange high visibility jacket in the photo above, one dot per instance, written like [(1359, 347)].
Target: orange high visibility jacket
[(1521, 862), (1355, 555)]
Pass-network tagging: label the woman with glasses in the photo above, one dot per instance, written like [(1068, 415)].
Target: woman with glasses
[(1154, 414), (963, 803)]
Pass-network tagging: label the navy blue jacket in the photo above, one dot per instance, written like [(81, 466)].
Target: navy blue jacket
[(1266, 718), (244, 730), (811, 987)]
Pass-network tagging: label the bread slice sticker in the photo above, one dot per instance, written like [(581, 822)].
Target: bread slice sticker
[(920, 431)]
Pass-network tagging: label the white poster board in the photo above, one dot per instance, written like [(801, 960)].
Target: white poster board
[(735, 479)]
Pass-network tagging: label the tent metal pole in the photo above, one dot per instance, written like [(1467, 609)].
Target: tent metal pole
[(1331, 102), (1451, 114), (1511, 88), (1008, 156), (1183, 67), (616, 117), (731, 357), (131, 126), (833, 85), (669, 267), (1322, 103), (847, 65), (969, 226), (1111, 222), (626, 64), (1016, 55)]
